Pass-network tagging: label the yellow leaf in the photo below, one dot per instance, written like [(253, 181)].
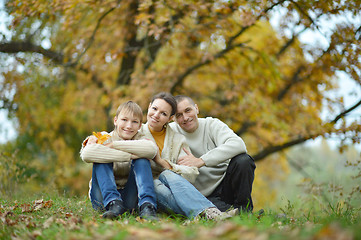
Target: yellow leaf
[(101, 138)]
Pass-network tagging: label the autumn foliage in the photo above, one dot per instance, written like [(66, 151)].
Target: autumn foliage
[(67, 65)]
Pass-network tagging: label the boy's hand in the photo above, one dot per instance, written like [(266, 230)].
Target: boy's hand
[(133, 156), (92, 140), (110, 145)]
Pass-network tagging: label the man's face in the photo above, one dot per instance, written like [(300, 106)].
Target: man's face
[(126, 125), (186, 116)]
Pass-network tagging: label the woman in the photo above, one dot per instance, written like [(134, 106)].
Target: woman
[(172, 190)]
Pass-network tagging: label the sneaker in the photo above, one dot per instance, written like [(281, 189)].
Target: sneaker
[(114, 209), (148, 211), (215, 214), (233, 212)]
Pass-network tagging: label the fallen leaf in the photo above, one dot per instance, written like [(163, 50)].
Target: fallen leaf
[(60, 221), (68, 215), (48, 222), (39, 204), (333, 231), (26, 208), (36, 234), (101, 137)]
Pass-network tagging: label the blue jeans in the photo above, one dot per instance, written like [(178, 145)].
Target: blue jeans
[(138, 189), (175, 193)]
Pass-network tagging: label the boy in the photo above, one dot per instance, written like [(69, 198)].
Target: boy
[(121, 174)]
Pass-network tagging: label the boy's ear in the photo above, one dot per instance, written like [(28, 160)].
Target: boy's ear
[(171, 118), (115, 120)]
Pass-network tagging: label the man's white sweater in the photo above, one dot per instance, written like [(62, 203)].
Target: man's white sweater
[(216, 144)]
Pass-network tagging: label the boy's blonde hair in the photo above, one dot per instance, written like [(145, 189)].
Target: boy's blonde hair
[(130, 108)]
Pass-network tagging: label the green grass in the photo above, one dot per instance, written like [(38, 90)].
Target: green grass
[(59, 217)]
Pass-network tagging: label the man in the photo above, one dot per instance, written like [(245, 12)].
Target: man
[(226, 171)]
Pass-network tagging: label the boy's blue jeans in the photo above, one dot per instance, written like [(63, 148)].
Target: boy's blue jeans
[(138, 189), (177, 194)]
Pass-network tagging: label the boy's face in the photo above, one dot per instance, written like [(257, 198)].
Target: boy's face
[(126, 125)]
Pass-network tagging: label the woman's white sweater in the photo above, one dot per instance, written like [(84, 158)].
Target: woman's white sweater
[(174, 143)]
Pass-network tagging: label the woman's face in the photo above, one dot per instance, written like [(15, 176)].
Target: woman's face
[(158, 114)]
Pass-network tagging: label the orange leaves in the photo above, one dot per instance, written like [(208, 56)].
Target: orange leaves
[(9, 216), (143, 18), (333, 231), (101, 137), (36, 206)]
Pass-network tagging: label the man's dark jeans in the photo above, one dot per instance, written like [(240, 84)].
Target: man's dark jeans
[(236, 187)]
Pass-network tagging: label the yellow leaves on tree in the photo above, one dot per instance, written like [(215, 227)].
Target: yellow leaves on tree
[(226, 55)]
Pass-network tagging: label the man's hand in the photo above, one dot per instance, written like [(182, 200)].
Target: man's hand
[(190, 160)]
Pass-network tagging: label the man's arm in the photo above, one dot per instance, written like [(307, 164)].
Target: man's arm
[(227, 144)]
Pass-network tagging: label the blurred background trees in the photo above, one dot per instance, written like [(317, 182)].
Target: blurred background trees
[(67, 65)]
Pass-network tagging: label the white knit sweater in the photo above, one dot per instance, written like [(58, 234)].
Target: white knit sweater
[(216, 144), (120, 154), (172, 151)]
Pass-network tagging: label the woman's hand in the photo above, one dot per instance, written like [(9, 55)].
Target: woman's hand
[(157, 159)]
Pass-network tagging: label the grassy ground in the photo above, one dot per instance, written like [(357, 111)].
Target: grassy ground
[(73, 218)]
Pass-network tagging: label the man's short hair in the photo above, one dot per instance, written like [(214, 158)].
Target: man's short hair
[(180, 98), (130, 108)]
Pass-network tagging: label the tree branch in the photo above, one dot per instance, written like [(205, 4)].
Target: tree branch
[(229, 47), (344, 113), (92, 37), (128, 61), (245, 126), (295, 78), (151, 44), (272, 149), (181, 78), (289, 43), (27, 46)]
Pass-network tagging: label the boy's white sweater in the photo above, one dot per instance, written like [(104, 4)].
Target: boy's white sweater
[(120, 154)]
